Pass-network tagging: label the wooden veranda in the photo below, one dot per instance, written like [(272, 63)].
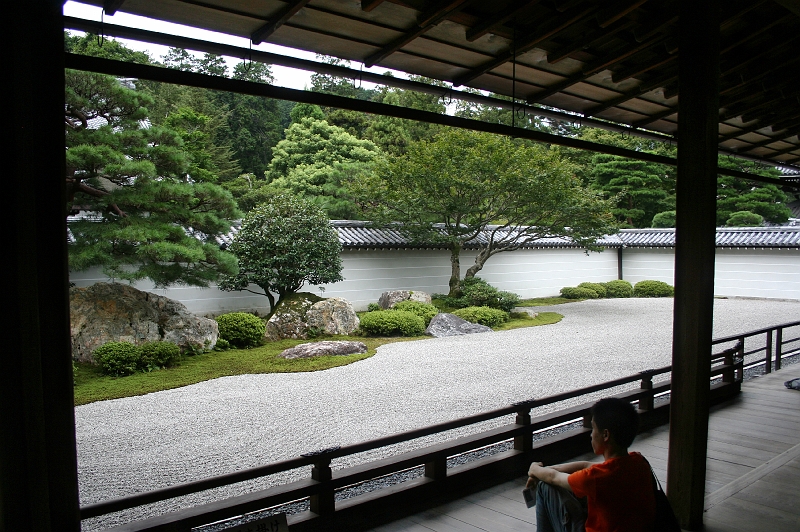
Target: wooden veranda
[(717, 77)]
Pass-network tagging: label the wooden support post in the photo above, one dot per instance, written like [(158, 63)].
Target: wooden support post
[(768, 352), (695, 235), (729, 375), (646, 401), (524, 442), (436, 469), (778, 347), (38, 465), (587, 420), (323, 503)]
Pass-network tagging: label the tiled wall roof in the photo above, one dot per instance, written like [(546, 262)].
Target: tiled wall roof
[(727, 237)]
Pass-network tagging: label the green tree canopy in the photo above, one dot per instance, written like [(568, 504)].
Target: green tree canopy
[(461, 183), (143, 216), (283, 244), (735, 195)]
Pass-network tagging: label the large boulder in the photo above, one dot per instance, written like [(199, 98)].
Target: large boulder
[(113, 312), (392, 297), (333, 316), (298, 314), (289, 318), (444, 324), (327, 347)]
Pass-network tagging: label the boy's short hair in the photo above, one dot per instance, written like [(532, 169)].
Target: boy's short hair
[(619, 418)]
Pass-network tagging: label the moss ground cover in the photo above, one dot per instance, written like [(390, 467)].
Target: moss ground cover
[(91, 385)]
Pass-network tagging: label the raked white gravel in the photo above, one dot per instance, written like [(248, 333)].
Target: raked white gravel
[(137, 444)]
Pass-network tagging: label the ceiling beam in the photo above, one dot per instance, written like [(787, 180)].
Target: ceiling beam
[(482, 28), (192, 79), (542, 33), (112, 6), (640, 68), (589, 39), (789, 133), (654, 118), (608, 16), (593, 68), (641, 89), (425, 21), (645, 32), (765, 100), (369, 5), (263, 33), (785, 150)]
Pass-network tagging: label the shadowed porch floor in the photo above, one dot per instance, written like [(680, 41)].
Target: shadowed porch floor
[(752, 471)]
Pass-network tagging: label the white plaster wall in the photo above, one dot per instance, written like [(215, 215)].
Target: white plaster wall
[(767, 273)]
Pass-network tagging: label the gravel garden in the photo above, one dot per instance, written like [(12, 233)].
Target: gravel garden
[(145, 442)]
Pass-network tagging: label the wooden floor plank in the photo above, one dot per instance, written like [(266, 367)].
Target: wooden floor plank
[(501, 504), (754, 517), (483, 518), (442, 523), (768, 493)]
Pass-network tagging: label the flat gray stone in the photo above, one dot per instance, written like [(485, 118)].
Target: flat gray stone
[(323, 348), (392, 297), (444, 324)]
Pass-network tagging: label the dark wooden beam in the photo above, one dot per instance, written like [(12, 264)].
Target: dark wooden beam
[(644, 88), (695, 234), (753, 32), (369, 5), (482, 28), (38, 464), (654, 118), (587, 40), (743, 131), (112, 6), (426, 21), (783, 135), (776, 109), (648, 30), (594, 67), (768, 103), (263, 33), (546, 31), (638, 69), (610, 15)]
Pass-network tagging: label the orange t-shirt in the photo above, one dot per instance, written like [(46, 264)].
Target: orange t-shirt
[(619, 494)]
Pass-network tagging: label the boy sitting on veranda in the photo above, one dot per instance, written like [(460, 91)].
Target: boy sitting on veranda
[(618, 492)]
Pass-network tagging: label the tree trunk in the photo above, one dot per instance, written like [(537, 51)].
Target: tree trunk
[(455, 268), (480, 260)]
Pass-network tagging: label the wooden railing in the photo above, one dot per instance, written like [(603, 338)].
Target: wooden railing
[(775, 345), (319, 489)]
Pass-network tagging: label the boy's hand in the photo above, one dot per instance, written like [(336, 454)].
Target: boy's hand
[(533, 479)]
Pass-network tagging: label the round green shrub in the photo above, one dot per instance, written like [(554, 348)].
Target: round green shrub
[(475, 292), (158, 355), (597, 287), (426, 311), (653, 289), (222, 344), (744, 219), (664, 219), (117, 358), (392, 323), (488, 316), (618, 288), (241, 329), (372, 307), (574, 292)]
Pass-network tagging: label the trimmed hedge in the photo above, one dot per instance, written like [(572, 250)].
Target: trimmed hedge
[(241, 329), (597, 287), (618, 288), (426, 311), (392, 323), (650, 288), (574, 292), (475, 292), (155, 355), (117, 358), (491, 317)]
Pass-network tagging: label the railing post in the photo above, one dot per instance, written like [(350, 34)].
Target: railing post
[(778, 347), (523, 442), (646, 400), (739, 360), (768, 349), (437, 469), (323, 502), (587, 419)]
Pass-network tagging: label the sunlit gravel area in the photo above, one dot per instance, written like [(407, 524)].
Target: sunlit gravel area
[(126, 446)]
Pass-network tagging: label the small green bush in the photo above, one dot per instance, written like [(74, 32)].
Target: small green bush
[(372, 307), (664, 219), (653, 289), (392, 323), (475, 292), (491, 317), (156, 355), (222, 344), (597, 287), (744, 219), (618, 288), (574, 292), (117, 358), (426, 311), (241, 329)]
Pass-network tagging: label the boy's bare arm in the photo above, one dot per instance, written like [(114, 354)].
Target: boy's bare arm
[(571, 467)]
